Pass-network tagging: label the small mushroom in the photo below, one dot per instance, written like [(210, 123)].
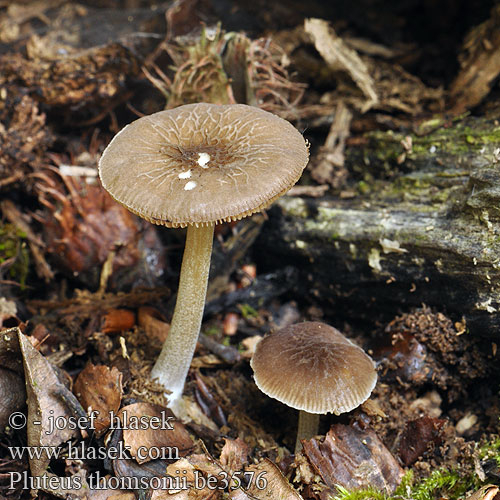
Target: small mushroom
[(195, 166), (312, 367)]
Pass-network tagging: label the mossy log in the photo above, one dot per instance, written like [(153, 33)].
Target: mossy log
[(420, 224)]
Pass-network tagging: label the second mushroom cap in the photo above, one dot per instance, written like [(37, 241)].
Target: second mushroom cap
[(311, 366)]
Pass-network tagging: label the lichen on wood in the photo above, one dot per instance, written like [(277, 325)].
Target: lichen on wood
[(421, 224)]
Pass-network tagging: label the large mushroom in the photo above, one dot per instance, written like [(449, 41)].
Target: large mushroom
[(195, 166), (314, 368)]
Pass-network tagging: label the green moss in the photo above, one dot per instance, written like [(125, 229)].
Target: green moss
[(440, 482), (363, 187), (247, 311), (296, 207), (213, 331), (14, 253), (369, 493), (458, 138), (490, 450)]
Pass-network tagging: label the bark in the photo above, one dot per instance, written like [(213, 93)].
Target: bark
[(421, 224)]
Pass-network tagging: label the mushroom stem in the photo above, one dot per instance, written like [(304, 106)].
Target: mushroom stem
[(308, 427), (172, 365)]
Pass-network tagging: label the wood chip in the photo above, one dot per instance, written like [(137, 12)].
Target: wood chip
[(311, 191), (329, 167), (339, 56), (118, 320)]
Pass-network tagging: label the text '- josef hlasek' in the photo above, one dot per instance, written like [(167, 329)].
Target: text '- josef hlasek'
[(122, 421)]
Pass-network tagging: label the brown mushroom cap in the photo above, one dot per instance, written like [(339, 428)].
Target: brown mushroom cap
[(311, 366), (202, 163)]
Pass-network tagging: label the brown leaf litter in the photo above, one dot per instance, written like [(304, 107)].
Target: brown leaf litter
[(226, 68), (99, 389), (24, 140), (353, 458), (83, 228), (159, 432), (47, 399), (419, 435), (435, 351)]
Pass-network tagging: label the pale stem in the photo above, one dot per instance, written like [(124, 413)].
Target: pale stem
[(172, 365), (308, 427)]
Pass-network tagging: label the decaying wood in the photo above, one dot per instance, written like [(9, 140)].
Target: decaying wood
[(338, 56), (422, 224), (329, 166)]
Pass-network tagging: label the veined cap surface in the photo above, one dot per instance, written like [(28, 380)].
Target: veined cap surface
[(202, 163), (311, 366)]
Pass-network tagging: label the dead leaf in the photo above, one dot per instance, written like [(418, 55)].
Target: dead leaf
[(45, 402), (234, 454), (184, 470), (159, 434), (418, 436), (99, 388), (194, 415), (154, 324), (238, 494), (486, 492), (206, 464), (46, 397), (269, 482), (110, 494), (206, 361), (12, 396), (353, 459), (91, 232), (102, 492)]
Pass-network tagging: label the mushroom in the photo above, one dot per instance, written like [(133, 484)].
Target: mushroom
[(313, 368), (195, 166)]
